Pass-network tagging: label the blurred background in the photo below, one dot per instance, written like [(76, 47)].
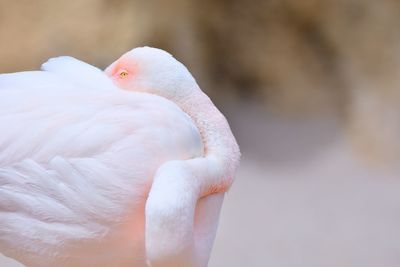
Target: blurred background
[(311, 90)]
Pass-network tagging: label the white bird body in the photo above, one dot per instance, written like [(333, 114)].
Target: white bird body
[(78, 157)]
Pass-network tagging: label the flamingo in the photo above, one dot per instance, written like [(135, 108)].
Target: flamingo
[(122, 167)]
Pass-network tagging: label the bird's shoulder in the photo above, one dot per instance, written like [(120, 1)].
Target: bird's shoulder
[(74, 122), (78, 72)]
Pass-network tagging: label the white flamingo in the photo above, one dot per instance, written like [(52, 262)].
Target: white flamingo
[(92, 175)]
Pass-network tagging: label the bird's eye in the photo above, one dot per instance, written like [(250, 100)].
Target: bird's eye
[(123, 73)]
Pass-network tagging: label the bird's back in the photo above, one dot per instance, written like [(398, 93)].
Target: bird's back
[(75, 167)]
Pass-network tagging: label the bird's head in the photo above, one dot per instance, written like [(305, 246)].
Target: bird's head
[(152, 70)]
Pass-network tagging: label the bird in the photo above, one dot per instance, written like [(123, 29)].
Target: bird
[(122, 167)]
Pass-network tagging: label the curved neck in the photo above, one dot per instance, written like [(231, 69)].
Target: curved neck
[(219, 142)]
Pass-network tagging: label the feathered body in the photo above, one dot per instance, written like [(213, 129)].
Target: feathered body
[(126, 167), (73, 158)]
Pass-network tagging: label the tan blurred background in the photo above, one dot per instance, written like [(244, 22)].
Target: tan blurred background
[(311, 89)]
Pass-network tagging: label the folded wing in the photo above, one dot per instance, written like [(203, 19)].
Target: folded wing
[(78, 72), (76, 165)]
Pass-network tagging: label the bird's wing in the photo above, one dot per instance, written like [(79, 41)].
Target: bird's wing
[(31, 80), (72, 160), (78, 72)]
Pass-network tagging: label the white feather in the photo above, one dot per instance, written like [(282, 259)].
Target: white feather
[(78, 72), (72, 159)]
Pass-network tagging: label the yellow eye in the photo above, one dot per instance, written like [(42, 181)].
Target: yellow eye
[(123, 74)]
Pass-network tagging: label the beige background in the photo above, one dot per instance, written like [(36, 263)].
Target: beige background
[(311, 91)]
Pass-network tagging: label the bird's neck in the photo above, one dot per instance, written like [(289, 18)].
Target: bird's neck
[(219, 142)]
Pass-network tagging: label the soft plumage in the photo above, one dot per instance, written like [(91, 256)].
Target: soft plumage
[(79, 155), (72, 160)]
